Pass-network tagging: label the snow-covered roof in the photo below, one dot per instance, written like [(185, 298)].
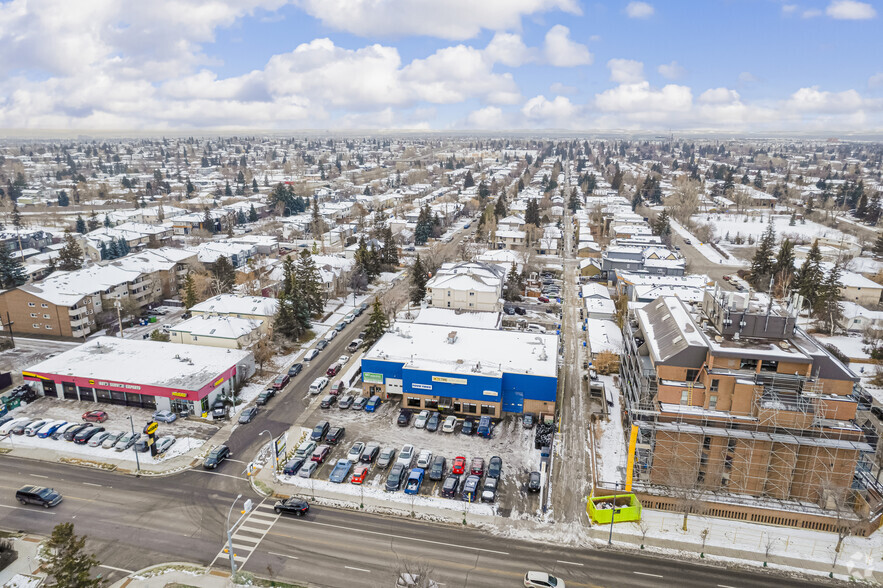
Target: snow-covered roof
[(432, 315), (68, 288), (232, 304), (151, 363), (604, 335), (478, 351), (221, 327)]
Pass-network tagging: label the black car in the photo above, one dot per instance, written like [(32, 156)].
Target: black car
[(509, 310), (369, 455), (296, 506), (438, 468), (432, 423), (293, 466), (335, 435), (44, 497), (216, 456), (263, 398), (19, 429), (494, 467), (295, 369), (328, 401), (395, 478), (533, 482), (468, 427), (451, 487), (85, 435), (404, 418), (321, 344), (248, 415), (520, 311), (489, 490), (527, 420), (319, 431), (219, 409)]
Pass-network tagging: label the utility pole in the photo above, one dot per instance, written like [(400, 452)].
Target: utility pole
[(9, 324), (119, 317), (137, 462)]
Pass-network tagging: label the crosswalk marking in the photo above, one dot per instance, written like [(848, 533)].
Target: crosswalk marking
[(249, 534)]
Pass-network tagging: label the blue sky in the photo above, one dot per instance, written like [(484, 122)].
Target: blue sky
[(737, 66)]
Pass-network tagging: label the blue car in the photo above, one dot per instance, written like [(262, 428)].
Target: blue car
[(165, 416), (341, 471), (415, 478), (46, 432), (372, 404)]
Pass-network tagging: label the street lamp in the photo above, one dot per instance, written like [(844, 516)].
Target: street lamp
[(134, 448), (246, 508), (272, 449)]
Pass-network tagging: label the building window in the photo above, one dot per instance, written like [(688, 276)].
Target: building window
[(769, 366), (46, 316), (457, 407), (33, 315), (414, 402), (692, 375), (449, 304), (488, 409), (469, 408), (431, 404), (194, 337), (714, 385), (685, 396), (748, 364), (44, 306), (31, 304), (712, 402), (36, 326), (49, 327), (472, 293), (449, 293)]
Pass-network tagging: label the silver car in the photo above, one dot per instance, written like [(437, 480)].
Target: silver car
[(386, 457), (111, 439), (127, 441), (98, 439), (308, 469), (164, 443)]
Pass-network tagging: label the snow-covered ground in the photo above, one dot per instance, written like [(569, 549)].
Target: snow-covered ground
[(610, 449), (729, 226), (706, 250), (850, 345)]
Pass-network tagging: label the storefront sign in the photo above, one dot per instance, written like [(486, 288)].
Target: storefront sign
[(372, 378), (443, 380), (180, 394), (421, 386), (151, 427), (218, 381), (116, 385), (490, 393), (281, 442)]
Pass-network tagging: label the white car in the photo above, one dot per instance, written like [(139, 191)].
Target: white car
[(307, 470), (48, 427), (31, 430), (163, 444), (406, 456), (330, 335), (343, 359), (542, 580), (450, 424), (420, 423), (355, 452), (7, 428), (424, 458), (311, 354), (318, 385)]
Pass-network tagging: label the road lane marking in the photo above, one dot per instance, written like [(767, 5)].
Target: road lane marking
[(235, 460), (217, 474), (38, 476), (44, 511), (404, 537), (723, 586), (91, 484), (281, 555), (116, 569), (358, 569), (570, 563), (646, 574)]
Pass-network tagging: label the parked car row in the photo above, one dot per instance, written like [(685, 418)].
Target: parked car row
[(431, 420), (92, 434), (349, 401)]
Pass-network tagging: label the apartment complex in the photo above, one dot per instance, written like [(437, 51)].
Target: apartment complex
[(467, 286), (731, 397)]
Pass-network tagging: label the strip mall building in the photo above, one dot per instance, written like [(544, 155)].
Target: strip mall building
[(147, 374)]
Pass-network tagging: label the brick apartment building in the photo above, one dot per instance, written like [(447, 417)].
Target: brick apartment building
[(731, 397)]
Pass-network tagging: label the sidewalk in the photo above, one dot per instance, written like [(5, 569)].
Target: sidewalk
[(26, 567)]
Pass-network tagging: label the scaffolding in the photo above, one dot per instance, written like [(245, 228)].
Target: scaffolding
[(782, 451)]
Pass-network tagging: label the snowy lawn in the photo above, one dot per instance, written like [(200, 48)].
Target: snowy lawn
[(610, 449), (703, 248), (728, 226), (851, 346)]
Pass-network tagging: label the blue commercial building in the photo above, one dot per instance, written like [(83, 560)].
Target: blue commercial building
[(464, 371)]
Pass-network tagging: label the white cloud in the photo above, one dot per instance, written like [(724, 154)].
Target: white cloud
[(876, 80), (671, 71), (625, 71), (814, 100), (718, 96), (560, 51), (789, 9), (451, 19), (509, 49), (539, 108), (811, 13), (850, 10), (489, 117), (639, 98), (639, 10), (746, 77), (559, 88)]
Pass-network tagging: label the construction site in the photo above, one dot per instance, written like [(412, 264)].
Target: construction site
[(734, 411)]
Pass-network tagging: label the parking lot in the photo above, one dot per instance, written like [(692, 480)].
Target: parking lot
[(509, 441)]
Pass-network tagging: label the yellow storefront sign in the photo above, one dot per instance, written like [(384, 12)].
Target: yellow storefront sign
[(444, 380)]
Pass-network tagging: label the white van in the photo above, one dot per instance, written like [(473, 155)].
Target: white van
[(535, 328), (305, 449), (311, 354)]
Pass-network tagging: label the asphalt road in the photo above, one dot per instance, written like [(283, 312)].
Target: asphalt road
[(133, 523)]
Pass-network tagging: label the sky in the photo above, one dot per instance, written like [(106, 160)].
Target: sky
[(720, 66)]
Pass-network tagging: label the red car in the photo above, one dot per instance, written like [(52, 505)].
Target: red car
[(459, 465), (281, 381), (359, 474), (95, 416), (477, 467), (332, 371), (543, 299), (320, 453)]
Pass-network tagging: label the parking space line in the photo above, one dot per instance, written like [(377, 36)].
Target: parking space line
[(281, 555)]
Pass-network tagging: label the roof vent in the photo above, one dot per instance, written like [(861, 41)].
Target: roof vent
[(452, 337)]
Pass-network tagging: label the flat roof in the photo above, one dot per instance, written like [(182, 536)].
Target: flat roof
[(479, 351), (221, 327), (151, 363), (232, 304)]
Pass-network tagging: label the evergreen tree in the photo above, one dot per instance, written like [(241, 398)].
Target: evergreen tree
[(208, 223), (81, 225), (252, 214), (810, 276), (793, 220), (468, 182), (254, 186), (70, 257), (69, 565), (878, 246), (12, 272), (500, 207), (377, 324), (113, 250), (828, 306), (124, 247), (418, 281), (423, 230), (106, 221), (310, 283), (102, 250), (16, 216), (390, 250), (92, 224), (662, 224), (224, 274), (240, 217), (228, 191), (745, 179), (63, 199), (514, 285), (758, 181), (286, 322), (189, 296), (532, 213), (762, 264), (574, 203), (783, 270)]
